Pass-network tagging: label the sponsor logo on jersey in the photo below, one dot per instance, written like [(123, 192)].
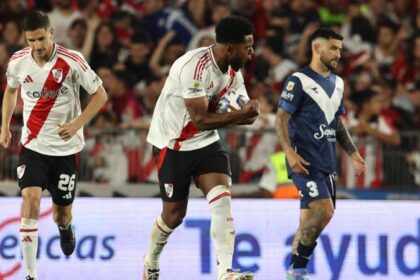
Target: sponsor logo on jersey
[(45, 93), (290, 85), (20, 171), (286, 95), (324, 131), (169, 189), (57, 75)]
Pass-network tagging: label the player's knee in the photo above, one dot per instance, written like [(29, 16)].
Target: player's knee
[(31, 204), (62, 219), (174, 217)]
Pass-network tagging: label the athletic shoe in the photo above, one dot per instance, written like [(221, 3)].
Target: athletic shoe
[(151, 270), (236, 275), (29, 278), (67, 240), (297, 274)]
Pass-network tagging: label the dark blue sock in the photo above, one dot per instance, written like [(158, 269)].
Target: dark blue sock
[(304, 253)]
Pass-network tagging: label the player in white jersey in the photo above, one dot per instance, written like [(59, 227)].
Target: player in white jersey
[(186, 143), (49, 77)]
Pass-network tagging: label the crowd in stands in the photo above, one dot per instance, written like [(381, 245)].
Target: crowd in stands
[(131, 44)]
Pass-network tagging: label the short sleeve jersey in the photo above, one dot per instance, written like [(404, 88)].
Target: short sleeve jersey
[(50, 97), (193, 75), (315, 103)]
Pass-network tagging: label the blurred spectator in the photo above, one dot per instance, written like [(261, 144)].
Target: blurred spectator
[(332, 12), (12, 37), (160, 19), (280, 66), (413, 160), (149, 95), (274, 182), (196, 11), (260, 146), (110, 164), (137, 62), (61, 18), (106, 49), (166, 52), (122, 98), (77, 35), (12, 10), (369, 129), (385, 51), (207, 36)]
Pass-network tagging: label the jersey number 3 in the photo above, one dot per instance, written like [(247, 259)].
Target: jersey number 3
[(313, 188), (66, 183)]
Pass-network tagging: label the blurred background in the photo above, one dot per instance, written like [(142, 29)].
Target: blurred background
[(131, 44)]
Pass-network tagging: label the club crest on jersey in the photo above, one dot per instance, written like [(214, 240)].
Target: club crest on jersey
[(169, 189), (290, 85), (57, 75), (20, 171)]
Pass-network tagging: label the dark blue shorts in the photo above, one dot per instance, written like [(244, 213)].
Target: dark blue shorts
[(315, 186)]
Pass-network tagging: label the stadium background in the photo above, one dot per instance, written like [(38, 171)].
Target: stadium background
[(131, 44)]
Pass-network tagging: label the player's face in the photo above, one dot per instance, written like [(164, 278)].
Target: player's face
[(330, 53), (241, 53), (40, 40)]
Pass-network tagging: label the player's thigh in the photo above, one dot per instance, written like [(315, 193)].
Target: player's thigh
[(312, 188), (213, 168), (33, 169), (63, 179), (174, 172)]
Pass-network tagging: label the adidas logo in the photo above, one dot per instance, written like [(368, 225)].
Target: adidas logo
[(67, 196), (27, 239), (211, 85), (28, 79)]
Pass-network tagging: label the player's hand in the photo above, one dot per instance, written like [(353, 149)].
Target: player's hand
[(5, 137), (297, 163), (359, 163), (66, 131), (252, 108)]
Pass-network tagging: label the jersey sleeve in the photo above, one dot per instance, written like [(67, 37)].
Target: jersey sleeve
[(87, 78), (191, 80), (291, 96), (12, 79)]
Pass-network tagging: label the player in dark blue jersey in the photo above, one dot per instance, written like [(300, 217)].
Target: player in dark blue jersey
[(308, 124)]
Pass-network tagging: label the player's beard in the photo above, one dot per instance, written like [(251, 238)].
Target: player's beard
[(331, 64), (236, 63)]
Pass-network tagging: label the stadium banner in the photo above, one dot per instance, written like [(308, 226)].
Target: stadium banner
[(365, 240)]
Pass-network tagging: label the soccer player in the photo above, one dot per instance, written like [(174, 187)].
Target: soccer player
[(186, 143), (308, 124), (49, 77)]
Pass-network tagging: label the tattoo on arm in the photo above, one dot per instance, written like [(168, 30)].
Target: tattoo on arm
[(282, 129), (343, 137)]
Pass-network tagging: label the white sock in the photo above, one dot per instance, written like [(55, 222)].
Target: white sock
[(158, 238), (29, 243), (222, 229)]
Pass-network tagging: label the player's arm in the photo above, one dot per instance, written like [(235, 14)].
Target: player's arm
[(203, 120), (96, 102), (289, 102), (343, 137), (9, 104)]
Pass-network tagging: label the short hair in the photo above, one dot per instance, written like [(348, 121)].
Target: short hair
[(325, 33), (35, 20), (233, 29)]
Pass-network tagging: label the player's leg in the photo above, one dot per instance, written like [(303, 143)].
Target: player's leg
[(174, 180), (62, 186), (212, 176), (63, 217), (317, 210), (32, 175), (31, 197)]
